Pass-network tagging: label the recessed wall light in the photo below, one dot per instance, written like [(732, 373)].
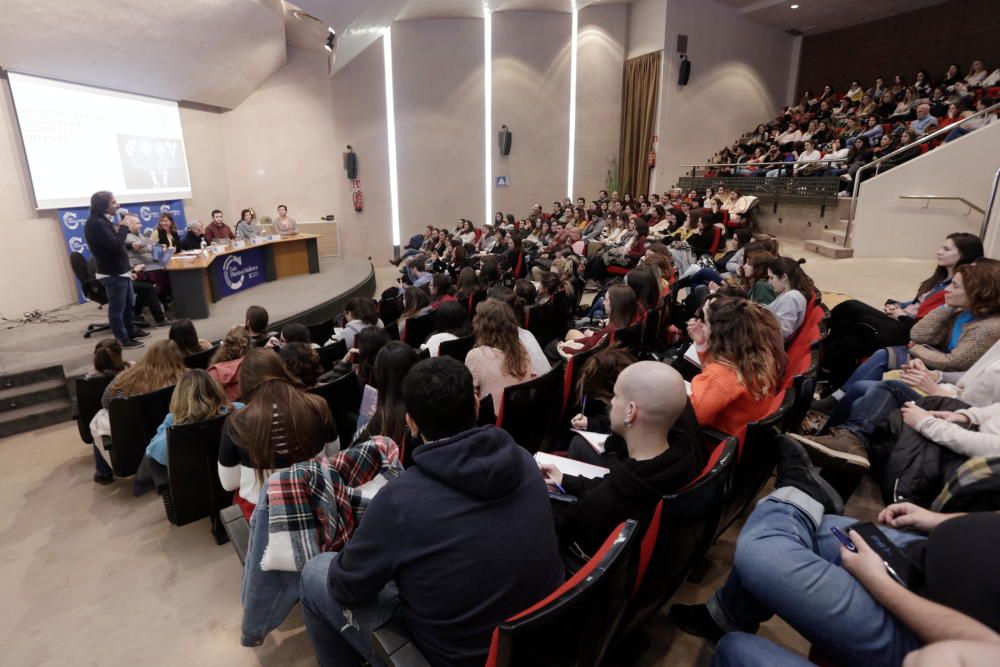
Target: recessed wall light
[(795, 6)]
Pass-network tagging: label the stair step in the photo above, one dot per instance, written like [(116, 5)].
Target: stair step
[(33, 395), (827, 249), (36, 416), (23, 379), (833, 236)]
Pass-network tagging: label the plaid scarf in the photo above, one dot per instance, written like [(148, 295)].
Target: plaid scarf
[(315, 506)]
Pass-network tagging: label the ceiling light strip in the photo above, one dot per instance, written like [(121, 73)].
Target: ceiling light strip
[(488, 112), (390, 126), (572, 104)]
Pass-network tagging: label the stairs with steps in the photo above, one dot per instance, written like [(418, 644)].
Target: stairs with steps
[(831, 243), (33, 399)]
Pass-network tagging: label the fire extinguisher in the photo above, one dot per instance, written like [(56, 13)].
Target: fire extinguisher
[(652, 158), (359, 200)]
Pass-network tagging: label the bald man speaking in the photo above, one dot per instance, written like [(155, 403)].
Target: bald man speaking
[(651, 412)]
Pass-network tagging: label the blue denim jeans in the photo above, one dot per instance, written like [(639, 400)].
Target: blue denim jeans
[(121, 306), (868, 404), (102, 467), (739, 649), (339, 634), (787, 562), (874, 366), (267, 596)]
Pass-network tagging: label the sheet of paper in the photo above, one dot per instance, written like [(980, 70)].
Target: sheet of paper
[(572, 467), (687, 387), (692, 356), (595, 440), (369, 401)]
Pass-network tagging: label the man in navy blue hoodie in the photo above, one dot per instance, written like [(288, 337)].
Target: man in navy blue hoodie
[(452, 547)]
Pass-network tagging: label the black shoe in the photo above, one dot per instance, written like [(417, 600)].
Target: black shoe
[(140, 334), (694, 619), (162, 323), (130, 343), (795, 469), (102, 480), (825, 405), (141, 487)]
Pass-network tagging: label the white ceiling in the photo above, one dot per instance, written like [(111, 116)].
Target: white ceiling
[(213, 52), (816, 16), (360, 22)]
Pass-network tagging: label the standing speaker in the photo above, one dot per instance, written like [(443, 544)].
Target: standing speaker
[(685, 72)]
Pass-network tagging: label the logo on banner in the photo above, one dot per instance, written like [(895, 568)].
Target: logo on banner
[(145, 213), (70, 220), (236, 274), (76, 244), (165, 208)]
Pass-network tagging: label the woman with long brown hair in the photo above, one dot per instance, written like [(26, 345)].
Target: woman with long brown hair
[(161, 366), (499, 359), (743, 357), (281, 425), (225, 363)]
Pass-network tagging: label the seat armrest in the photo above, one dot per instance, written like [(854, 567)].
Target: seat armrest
[(238, 530), (394, 647)]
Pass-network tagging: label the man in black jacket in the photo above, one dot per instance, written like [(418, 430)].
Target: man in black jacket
[(107, 246), (194, 235), (456, 544)]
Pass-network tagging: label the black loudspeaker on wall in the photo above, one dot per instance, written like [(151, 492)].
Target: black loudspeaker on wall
[(504, 139), (684, 72), (351, 163)]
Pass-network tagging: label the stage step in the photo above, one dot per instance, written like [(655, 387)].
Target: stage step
[(827, 249), (833, 236), (33, 399)]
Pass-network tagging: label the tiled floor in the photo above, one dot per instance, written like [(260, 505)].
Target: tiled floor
[(94, 576)]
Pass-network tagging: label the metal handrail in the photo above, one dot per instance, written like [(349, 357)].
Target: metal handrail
[(759, 164), (874, 163), (989, 206), (972, 207)]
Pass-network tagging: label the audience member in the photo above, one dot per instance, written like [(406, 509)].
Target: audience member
[(451, 321), (302, 363), (279, 426), (536, 356), (107, 360), (393, 362), (359, 312), (224, 365), (793, 291), (423, 534), (183, 333), (256, 321), (498, 360)]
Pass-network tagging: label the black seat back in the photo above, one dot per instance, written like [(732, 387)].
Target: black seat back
[(531, 411), (134, 421), (88, 402), (418, 329), (681, 530), (458, 348), (200, 359), (389, 309), (320, 333), (343, 396), (332, 353), (91, 287), (573, 625), (193, 472), (574, 369)]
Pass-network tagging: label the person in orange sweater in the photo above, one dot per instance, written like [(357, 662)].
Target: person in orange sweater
[(743, 357)]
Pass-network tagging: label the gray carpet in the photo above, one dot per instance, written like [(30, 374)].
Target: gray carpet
[(58, 338)]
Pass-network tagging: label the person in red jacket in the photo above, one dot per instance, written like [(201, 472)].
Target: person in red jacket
[(218, 231)]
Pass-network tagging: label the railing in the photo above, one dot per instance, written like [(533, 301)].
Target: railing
[(940, 132), (972, 207), (733, 165)]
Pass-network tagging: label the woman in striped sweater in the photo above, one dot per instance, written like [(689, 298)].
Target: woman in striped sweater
[(743, 357)]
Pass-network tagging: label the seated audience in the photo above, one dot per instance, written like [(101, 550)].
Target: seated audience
[(847, 602), (359, 312), (360, 359), (183, 333), (279, 426), (107, 360), (594, 390), (415, 304), (536, 356), (498, 360), (950, 338), (197, 397), (302, 362), (256, 321), (648, 402), (622, 310), (292, 333), (451, 321), (423, 534), (743, 358), (857, 329), (161, 366), (440, 290), (393, 362), (224, 365), (793, 290)]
